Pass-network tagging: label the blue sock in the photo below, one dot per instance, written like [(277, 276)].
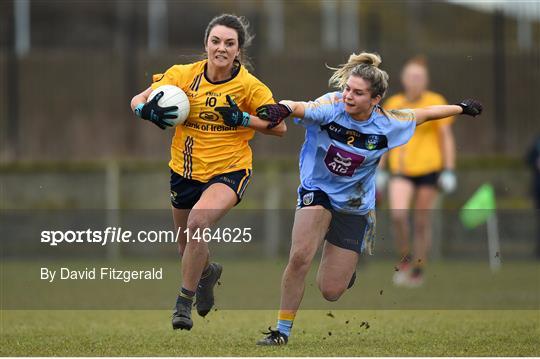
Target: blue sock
[(284, 327), (285, 322)]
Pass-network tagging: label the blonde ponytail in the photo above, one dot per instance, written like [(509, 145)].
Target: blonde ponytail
[(364, 65)]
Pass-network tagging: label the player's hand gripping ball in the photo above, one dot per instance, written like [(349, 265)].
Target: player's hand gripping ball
[(470, 107), (274, 113), (167, 106)]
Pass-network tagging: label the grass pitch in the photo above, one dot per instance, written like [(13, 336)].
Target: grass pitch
[(255, 285), (462, 310), (234, 333)]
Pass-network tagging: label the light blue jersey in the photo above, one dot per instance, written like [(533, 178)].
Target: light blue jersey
[(340, 155)]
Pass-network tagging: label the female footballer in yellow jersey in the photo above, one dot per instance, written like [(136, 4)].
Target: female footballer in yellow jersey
[(211, 159), (417, 169)]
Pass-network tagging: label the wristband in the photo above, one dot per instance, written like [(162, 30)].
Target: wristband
[(245, 119), (138, 109), (287, 106)]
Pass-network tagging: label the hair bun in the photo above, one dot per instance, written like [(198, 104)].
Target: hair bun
[(365, 58), (364, 65)]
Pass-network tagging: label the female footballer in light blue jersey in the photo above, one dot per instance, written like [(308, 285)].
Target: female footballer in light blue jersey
[(346, 135)]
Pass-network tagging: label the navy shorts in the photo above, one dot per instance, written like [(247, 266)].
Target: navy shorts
[(429, 179), (186, 192), (348, 231)]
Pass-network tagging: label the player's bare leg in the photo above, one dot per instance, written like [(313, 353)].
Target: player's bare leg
[(425, 199), (180, 217), (310, 227), (335, 271), (181, 313), (214, 203), (400, 192)]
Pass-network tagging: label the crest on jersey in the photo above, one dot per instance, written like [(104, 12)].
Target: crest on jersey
[(371, 142), (307, 199)]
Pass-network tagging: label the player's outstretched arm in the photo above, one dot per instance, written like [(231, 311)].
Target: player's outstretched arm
[(234, 117), (297, 108), (276, 113), (466, 107)]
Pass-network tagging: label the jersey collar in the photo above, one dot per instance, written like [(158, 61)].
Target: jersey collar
[(236, 71)]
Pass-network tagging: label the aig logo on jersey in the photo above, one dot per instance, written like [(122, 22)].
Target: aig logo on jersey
[(341, 162), (307, 199)]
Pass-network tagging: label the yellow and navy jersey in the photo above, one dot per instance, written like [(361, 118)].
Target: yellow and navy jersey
[(203, 146), (423, 153)]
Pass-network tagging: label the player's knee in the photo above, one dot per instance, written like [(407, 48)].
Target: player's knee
[(197, 223), (331, 293), (299, 261), (196, 226)]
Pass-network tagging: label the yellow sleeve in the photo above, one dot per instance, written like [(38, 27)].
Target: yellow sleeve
[(258, 95), (157, 77), (173, 76)]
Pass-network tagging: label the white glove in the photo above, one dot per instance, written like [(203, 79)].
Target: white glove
[(381, 179), (447, 181)]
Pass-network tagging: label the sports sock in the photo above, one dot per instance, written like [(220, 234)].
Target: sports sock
[(285, 321), (186, 296)]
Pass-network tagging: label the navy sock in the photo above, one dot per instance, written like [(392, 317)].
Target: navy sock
[(186, 296)]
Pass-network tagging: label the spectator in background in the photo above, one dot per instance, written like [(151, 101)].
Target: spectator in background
[(533, 159), (416, 171)]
